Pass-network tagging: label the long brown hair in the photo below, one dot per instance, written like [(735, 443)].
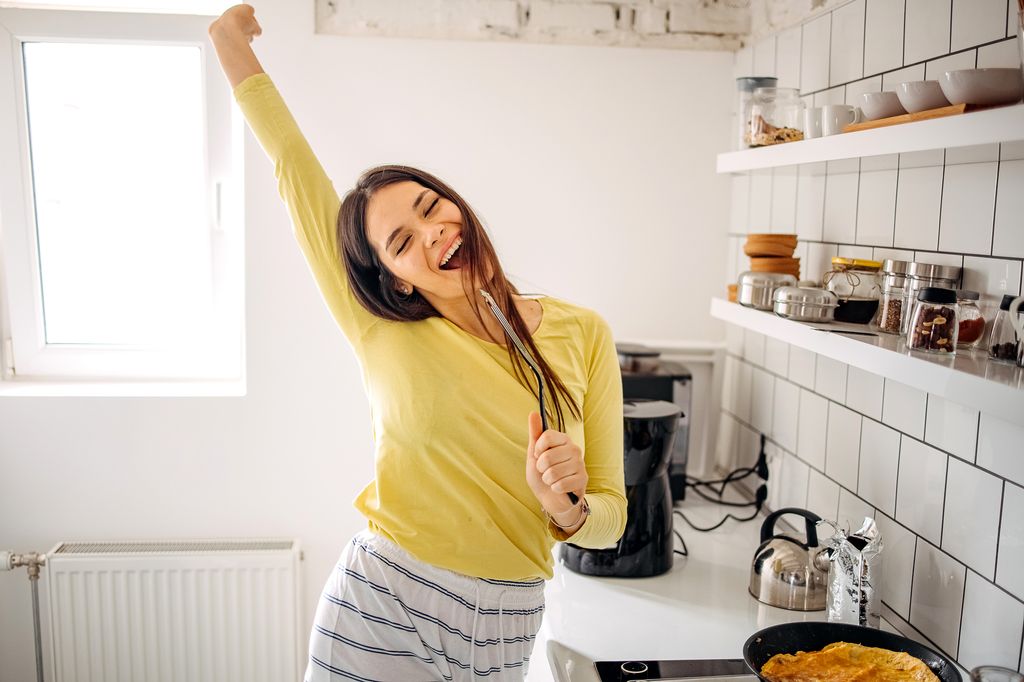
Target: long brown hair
[(374, 285)]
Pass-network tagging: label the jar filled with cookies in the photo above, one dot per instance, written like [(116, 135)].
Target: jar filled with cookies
[(933, 324), (776, 116)]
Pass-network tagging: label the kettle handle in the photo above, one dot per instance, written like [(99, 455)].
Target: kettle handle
[(812, 519)]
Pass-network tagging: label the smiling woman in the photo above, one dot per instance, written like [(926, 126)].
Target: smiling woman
[(470, 493)]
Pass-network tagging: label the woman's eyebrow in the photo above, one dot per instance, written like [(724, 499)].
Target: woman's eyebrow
[(394, 233)]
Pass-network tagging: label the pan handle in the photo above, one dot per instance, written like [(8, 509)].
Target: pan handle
[(812, 520)]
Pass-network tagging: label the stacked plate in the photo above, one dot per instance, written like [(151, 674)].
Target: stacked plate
[(772, 253)]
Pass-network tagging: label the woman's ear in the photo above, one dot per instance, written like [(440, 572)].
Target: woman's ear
[(403, 288)]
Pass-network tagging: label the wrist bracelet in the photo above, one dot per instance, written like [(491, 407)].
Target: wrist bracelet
[(584, 513)]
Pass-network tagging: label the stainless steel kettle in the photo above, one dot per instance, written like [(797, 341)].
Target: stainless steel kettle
[(786, 572)]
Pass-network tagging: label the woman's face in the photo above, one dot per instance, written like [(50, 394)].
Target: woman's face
[(416, 234)]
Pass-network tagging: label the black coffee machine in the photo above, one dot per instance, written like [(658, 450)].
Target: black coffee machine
[(646, 375), (645, 548)]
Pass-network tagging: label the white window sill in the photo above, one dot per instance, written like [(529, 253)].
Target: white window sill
[(124, 389)]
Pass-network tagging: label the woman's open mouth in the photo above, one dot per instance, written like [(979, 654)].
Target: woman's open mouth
[(452, 259)]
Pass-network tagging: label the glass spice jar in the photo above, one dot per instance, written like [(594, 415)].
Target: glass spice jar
[(855, 284), (745, 96), (1004, 343), (933, 325), (971, 324), (776, 116), (921, 275), (889, 318)]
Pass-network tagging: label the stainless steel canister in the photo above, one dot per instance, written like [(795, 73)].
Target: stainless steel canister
[(805, 304), (756, 289)]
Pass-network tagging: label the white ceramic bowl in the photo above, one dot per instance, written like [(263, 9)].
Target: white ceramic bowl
[(877, 105), (983, 86), (918, 96)]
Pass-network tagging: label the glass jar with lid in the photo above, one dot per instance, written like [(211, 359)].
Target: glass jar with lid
[(889, 318), (971, 325), (776, 116), (1004, 343), (921, 275), (855, 283), (933, 324), (745, 97)]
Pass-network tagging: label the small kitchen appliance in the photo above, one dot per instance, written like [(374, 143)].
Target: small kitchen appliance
[(789, 573), (646, 375), (645, 548)]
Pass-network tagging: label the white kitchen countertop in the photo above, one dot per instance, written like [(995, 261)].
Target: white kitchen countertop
[(699, 609)]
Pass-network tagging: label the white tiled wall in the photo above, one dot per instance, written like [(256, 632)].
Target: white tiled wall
[(937, 204), (944, 482)]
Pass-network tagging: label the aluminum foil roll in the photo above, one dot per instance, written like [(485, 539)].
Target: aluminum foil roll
[(854, 575)]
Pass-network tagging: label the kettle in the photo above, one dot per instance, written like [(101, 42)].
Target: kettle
[(786, 572)]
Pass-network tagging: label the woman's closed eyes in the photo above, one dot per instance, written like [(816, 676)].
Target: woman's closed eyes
[(430, 209)]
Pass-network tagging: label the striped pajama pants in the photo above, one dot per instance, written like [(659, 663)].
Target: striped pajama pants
[(387, 617)]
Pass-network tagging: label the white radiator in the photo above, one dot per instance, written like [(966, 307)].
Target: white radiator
[(189, 611)]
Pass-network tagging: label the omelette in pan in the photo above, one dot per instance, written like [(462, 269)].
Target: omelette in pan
[(845, 662)]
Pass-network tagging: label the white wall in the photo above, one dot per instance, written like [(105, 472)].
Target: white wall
[(593, 168)]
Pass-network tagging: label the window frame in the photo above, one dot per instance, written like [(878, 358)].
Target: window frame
[(24, 353)]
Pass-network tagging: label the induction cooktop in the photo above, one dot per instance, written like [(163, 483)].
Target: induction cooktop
[(722, 670)]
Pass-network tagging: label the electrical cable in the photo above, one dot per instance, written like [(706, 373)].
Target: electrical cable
[(762, 495), (760, 468), (685, 551)]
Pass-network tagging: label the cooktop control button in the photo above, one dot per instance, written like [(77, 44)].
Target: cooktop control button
[(631, 668)]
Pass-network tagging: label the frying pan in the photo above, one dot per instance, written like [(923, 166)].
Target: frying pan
[(790, 638)]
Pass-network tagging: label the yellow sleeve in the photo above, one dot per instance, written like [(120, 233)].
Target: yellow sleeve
[(602, 428), (310, 198)]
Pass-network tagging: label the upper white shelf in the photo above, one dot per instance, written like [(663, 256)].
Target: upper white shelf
[(968, 378), (1004, 124)]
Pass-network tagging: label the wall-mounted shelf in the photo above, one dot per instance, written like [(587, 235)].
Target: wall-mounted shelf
[(1003, 124), (968, 378)]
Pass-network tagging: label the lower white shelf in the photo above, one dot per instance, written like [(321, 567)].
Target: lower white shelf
[(968, 378)]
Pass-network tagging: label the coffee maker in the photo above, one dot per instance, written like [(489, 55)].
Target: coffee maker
[(645, 548), (646, 375)]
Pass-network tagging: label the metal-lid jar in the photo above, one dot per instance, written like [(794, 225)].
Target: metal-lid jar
[(971, 325), (891, 311)]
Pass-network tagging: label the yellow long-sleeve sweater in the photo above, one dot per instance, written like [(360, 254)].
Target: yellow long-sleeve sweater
[(449, 415)]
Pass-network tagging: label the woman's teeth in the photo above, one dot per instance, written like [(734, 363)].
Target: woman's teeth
[(451, 251)]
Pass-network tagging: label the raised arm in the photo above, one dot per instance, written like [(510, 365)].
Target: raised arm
[(232, 34), (307, 192)]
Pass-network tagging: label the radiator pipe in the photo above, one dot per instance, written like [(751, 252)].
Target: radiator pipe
[(33, 561)]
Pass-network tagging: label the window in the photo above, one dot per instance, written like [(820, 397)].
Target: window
[(120, 207)]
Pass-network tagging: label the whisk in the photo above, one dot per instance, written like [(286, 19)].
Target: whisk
[(517, 342)]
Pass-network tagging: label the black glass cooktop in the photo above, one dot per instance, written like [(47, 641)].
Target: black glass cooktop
[(722, 669)]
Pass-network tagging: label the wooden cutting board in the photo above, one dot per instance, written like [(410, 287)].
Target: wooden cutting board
[(951, 110)]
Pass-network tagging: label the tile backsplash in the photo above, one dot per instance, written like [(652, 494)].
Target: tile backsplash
[(944, 482)]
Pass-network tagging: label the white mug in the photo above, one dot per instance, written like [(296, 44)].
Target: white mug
[(812, 122), (834, 117)]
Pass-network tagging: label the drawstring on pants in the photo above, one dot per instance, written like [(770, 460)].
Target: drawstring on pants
[(501, 628), (472, 643)]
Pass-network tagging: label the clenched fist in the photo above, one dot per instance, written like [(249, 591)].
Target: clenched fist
[(237, 22), (554, 468)]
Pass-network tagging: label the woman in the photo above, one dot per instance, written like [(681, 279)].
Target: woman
[(447, 581)]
